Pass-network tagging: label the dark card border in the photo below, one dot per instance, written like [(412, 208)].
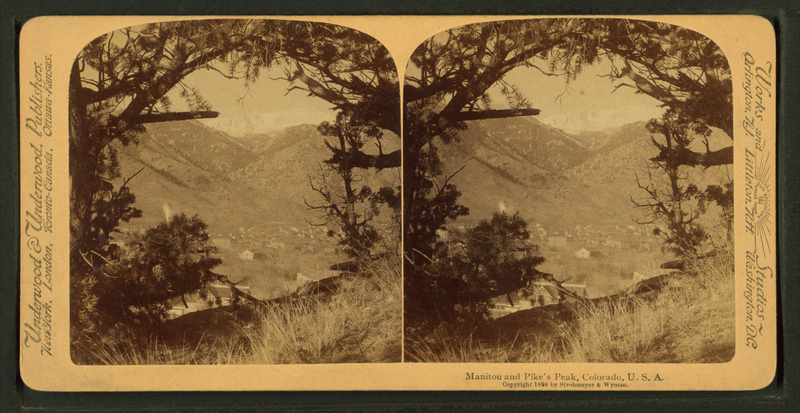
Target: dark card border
[(781, 395)]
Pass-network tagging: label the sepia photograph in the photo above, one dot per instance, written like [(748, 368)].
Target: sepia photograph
[(568, 194), (568, 203), (235, 195)]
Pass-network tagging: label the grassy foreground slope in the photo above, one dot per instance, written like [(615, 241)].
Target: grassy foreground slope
[(359, 323), (688, 318)]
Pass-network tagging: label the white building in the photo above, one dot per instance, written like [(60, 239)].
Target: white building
[(583, 254), (543, 293)]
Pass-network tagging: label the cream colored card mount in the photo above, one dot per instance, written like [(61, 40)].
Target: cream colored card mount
[(398, 203)]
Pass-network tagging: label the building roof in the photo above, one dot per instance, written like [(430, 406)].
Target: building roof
[(224, 290), (220, 291), (549, 289), (503, 299), (543, 287), (175, 302)]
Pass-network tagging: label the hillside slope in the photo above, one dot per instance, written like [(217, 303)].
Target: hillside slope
[(526, 166), (557, 179), (231, 182)]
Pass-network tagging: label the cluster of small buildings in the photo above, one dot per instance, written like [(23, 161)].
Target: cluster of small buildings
[(561, 241), (543, 293), (248, 255), (272, 238), (253, 244), (215, 295), (585, 254), (590, 236)]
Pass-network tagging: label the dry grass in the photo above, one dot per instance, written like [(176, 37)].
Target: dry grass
[(155, 351), (359, 323), (453, 345), (690, 320)]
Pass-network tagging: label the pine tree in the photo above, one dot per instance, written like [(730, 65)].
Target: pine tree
[(133, 286), (493, 259)]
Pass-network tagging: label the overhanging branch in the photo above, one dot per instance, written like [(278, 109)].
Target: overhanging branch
[(173, 116), (688, 157), (495, 114), (365, 161)]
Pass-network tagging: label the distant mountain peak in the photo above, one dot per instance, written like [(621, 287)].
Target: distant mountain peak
[(602, 120), (258, 124)]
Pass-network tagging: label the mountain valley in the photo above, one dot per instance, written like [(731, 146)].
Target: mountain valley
[(555, 179)]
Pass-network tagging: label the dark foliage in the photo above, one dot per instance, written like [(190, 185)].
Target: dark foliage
[(355, 74), (118, 83), (677, 206), (450, 76), (133, 285), (469, 270), (346, 200)]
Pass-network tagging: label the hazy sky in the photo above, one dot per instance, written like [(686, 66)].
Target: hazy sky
[(263, 96), (587, 93)]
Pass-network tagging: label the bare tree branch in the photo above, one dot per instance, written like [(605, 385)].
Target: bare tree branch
[(173, 116)]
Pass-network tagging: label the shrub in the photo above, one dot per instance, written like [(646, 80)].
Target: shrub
[(487, 261), (133, 285)]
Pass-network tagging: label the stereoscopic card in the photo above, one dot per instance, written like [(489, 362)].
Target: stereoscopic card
[(398, 203)]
